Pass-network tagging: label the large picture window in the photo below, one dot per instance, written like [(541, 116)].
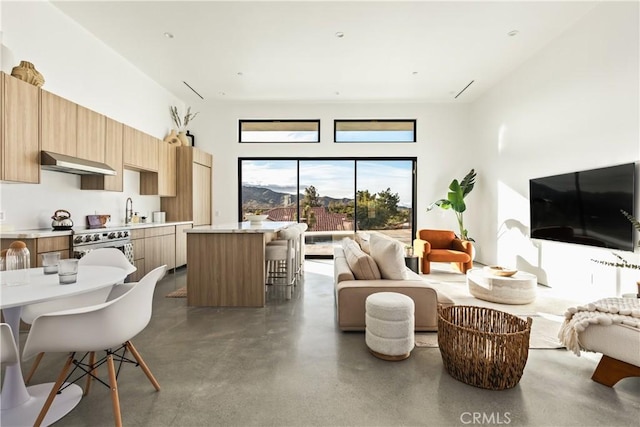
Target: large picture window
[(333, 196), (391, 130), (279, 131)]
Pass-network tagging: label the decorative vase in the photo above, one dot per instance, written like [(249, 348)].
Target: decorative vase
[(182, 136), (172, 138), (28, 73)]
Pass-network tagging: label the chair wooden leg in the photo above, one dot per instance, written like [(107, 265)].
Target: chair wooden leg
[(92, 362), (34, 367), (143, 365), (609, 371), (54, 391), (115, 400)]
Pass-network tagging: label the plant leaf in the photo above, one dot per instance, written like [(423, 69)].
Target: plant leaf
[(634, 221), (442, 203), (456, 197), (468, 182)]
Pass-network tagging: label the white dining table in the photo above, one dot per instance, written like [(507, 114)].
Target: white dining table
[(19, 404)]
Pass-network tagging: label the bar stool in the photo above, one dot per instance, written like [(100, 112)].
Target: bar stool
[(298, 246), (280, 259)]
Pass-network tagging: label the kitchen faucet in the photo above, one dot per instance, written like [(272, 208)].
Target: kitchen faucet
[(128, 210)]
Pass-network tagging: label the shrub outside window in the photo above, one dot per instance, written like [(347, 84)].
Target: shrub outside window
[(262, 131), (387, 130)]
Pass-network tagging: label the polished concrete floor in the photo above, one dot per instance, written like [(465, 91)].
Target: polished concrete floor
[(288, 365)]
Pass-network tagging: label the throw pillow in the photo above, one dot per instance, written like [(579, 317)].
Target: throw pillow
[(363, 241), (361, 264), (389, 256)]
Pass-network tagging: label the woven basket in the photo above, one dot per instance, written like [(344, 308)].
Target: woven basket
[(483, 347)]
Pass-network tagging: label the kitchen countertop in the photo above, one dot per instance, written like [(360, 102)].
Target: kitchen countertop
[(48, 232), (242, 227)]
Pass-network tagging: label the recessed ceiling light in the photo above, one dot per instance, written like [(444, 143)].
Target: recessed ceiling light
[(222, 93), (513, 33), (337, 93), (168, 35), (414, 73), (240, 73), (339, 34)]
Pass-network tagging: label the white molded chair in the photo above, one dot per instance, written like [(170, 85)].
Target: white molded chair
[(111, 257), (8, 349), (108, 327)]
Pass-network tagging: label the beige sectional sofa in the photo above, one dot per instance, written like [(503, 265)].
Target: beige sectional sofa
[(355, 279)]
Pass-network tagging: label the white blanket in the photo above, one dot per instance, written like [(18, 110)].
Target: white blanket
[(607, 311)]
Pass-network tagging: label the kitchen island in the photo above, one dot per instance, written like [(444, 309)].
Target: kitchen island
[(226, 265)]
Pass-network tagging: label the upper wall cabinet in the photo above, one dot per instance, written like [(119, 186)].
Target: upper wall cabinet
[(90, 135), (58, 124), (140, 150), (112, 157), (19, 144), (193, 198), (163, 182)]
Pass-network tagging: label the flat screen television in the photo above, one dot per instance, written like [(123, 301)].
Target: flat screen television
[(584, 207)]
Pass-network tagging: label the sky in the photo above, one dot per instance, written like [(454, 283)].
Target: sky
[(333, 178)]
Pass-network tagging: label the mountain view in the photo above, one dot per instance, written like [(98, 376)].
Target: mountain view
[(264, 198)]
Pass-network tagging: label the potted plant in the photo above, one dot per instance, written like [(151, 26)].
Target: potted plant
[(621, 262), (455, 200)]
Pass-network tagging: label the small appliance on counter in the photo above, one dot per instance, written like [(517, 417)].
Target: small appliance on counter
[(61, 220), (159, 216), (97, 221)]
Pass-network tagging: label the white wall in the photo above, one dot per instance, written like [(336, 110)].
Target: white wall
[(81, 68), (442, 135), (573, 106)]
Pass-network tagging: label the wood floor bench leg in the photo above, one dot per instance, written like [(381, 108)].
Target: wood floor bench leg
[(609, 371)]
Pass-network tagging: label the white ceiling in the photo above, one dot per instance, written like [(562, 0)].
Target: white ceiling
[(392, 51)]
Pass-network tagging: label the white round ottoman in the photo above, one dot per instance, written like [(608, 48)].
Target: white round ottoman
[(389, 325)]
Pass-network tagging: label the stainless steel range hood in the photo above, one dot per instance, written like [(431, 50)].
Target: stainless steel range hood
[(63, 163)]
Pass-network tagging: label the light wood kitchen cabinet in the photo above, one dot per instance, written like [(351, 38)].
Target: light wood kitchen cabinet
[(201, 194), (153, 247), (19, 136), (138, 241), (160, 247), (90, 135), (193, 194), (140, 150), (58, 124), (181, 244), (112, 157), (42, 245), (162, 183)]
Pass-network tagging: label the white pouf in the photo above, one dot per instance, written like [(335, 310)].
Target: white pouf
[(389, 325)]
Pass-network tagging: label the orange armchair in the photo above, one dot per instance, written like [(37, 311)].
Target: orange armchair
[(442, 246)]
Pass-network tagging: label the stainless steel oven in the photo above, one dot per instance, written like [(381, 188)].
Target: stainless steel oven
[(87, 240)]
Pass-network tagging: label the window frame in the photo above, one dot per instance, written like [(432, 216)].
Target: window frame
[(271, 121), (414, 123), (356, 159)]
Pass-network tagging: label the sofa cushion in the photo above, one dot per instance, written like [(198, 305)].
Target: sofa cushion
[(363, 240), (361, 264), (447, 255), (389, 256)]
